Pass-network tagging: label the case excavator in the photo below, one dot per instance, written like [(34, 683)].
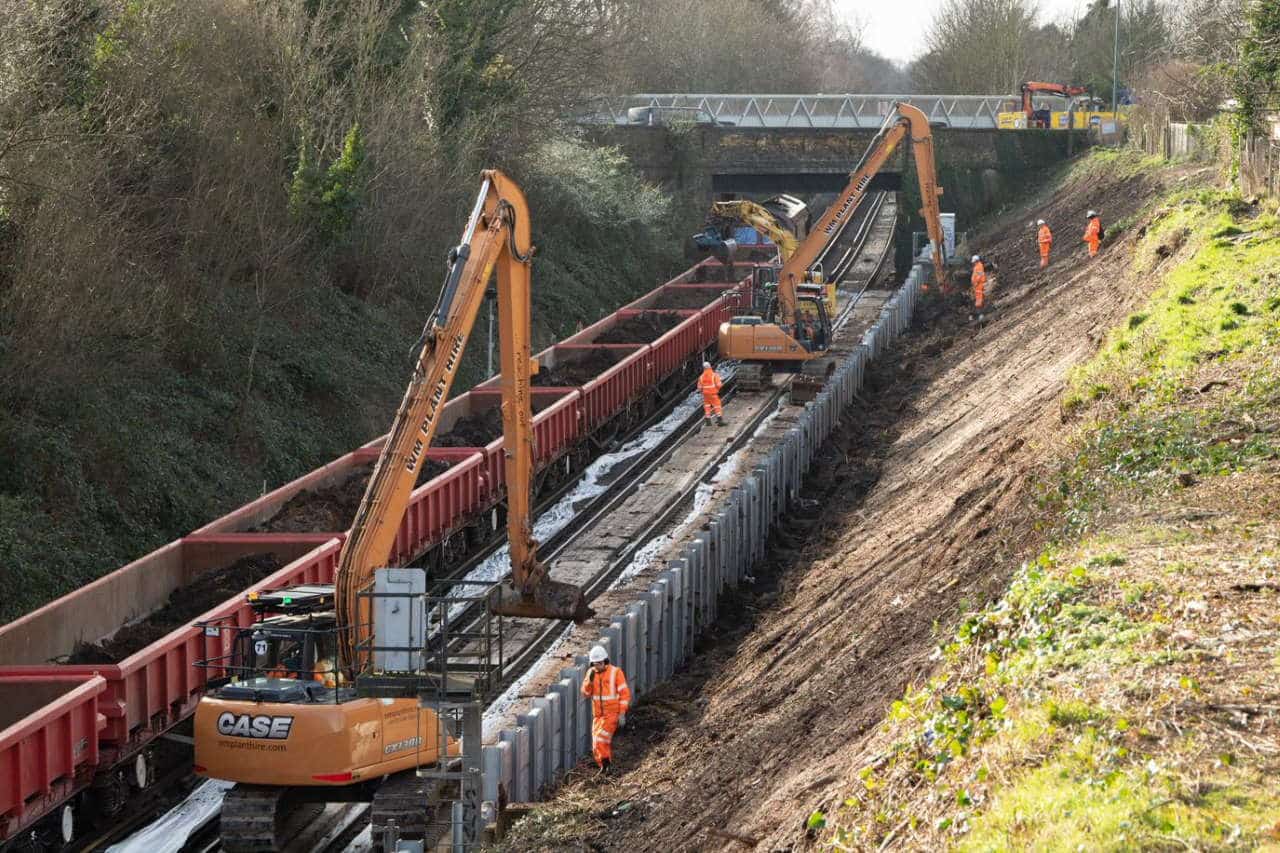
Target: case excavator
[(284, 721), (782, 336)]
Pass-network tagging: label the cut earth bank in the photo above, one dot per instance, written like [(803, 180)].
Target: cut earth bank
[(1038, 607)]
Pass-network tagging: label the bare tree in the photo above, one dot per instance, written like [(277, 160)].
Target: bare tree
[(978, 47)]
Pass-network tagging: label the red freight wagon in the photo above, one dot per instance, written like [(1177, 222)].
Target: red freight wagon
[(48, 744), (97, 610), (135, 700), (441, 505), (608, 394), (157, 686), (672, 349), (556, 426)]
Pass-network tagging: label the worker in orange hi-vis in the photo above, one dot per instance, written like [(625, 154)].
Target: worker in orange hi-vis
[(1045, 239), (606, 687), (709, 384), (978, 278), (1093, 233)]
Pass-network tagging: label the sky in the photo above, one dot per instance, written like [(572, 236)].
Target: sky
[(892, 26)]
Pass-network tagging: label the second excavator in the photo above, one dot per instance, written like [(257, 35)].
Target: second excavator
[(284, 721), (782, 336)]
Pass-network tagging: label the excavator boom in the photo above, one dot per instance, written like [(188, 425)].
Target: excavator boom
[(908, 123), (497, 236), (759, 218)]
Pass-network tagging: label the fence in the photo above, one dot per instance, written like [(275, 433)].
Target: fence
[(1173, 139), (1259, 166)]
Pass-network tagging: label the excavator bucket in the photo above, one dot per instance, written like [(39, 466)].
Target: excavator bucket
[(547, 599)]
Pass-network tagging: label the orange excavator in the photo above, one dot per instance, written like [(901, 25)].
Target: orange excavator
[(780, 337), (287, 725)]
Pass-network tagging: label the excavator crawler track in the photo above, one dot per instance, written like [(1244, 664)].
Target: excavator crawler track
[(412, 805), (262, 818), (252, 818), (753, 377)]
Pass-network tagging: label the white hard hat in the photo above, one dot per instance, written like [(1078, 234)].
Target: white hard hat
[(706, 365), (974, 259), (1039, 221), (1093, 213), (597, 654)]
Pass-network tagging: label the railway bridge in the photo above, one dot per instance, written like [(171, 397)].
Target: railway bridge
[(808, 144)]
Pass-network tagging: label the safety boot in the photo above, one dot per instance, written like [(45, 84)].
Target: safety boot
[(720, 421)]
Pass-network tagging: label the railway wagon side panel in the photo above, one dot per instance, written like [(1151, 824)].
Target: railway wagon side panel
[(99, 609), (444, 502), (609, 393), (48, 744), (159, 685), (670, 351)]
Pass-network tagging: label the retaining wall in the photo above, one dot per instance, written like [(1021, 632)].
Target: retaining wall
[(655, 632)]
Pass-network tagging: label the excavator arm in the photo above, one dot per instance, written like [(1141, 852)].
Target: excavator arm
[(906, 122), (1061, 89), (497, 236), (755, 215)]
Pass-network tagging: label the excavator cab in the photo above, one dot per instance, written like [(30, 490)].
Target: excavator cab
[(293, 638)]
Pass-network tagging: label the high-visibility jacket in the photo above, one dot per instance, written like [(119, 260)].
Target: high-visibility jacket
[(979, 275), (607, 690), (1093, 231), (709, 382), (1045, 237)]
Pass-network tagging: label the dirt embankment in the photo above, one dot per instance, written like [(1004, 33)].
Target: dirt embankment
[(924, 510), (207, 591)]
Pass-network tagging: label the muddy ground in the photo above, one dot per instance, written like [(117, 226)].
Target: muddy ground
[(641, 328), (209, 590), (578, 372), (473, 431), (325, 510), (925, 510), (686, 298), (712, 272)]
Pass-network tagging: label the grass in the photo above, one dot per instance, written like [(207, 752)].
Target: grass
[(1121, 694)]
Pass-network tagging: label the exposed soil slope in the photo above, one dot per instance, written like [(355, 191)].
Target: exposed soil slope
[(924, 512)]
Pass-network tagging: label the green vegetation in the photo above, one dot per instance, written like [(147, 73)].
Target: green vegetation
[(221, 227), (1112, 698)]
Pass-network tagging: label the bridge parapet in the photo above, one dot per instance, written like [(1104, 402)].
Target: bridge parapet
[(848, 111)]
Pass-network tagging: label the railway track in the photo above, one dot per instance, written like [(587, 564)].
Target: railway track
[(336, 826)]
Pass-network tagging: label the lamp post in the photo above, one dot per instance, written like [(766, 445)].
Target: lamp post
[(1115, 60)]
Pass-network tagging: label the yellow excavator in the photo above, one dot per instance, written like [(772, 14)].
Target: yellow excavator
[(286, 724), (783, 336), (726, 214)]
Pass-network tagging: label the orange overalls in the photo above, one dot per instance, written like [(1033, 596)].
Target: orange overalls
[(709, 384), (610, 697), (978, 278), (1093, 236), (1046, 243)]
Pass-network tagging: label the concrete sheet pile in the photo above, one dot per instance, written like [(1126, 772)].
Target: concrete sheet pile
[(655, 632)]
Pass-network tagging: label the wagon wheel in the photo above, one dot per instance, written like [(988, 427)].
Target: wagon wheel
[(453, 550)]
